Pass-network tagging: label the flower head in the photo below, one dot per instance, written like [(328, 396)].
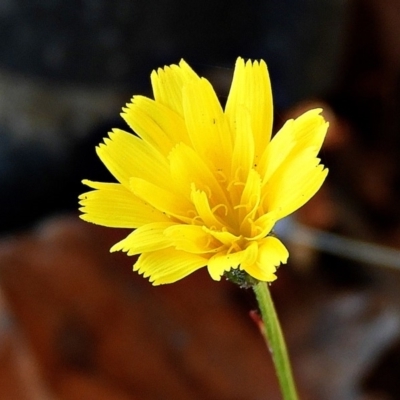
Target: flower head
[(203, 186)]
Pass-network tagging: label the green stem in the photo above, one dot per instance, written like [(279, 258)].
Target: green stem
[(275, 341)]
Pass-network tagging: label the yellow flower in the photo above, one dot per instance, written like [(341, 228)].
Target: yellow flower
[(201, 185)]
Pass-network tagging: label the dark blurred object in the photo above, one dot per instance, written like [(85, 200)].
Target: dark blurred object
[(382, 382), (302, 43), (366, 172), (91, 324), (67, 68), (367, 92), (83, 325), (118, 42), (36, 183)]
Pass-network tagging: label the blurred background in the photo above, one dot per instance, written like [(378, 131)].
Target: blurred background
[(76, 323)]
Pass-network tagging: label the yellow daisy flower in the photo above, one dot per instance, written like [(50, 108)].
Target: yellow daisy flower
[(203, 186)]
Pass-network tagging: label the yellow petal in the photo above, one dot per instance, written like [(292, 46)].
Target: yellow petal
[(149, 237), (243, 154), (301, 194), (206, 124), (243, 151), (223, 237), (221, 263), (310, 130), (262, 273), (187, 168), (251, 89), (271, 253), (307, 132), (191, 238), (224, 261), (168, 84), (203, 210), (271, 248), (168, 265), (249, 202), (163, 200), (112, 205), (127, 156), (294, 183), (263, 225), (277, 150), (155, 123)]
